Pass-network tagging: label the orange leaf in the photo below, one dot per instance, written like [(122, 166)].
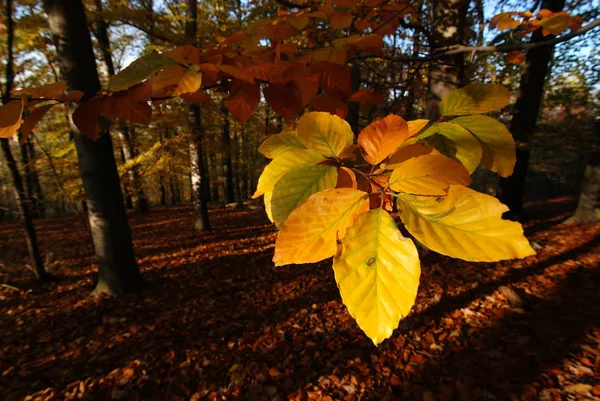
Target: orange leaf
[(381, 138), (124, 108), (340, 20), (50, 91), (372, 43), (239, 73), (309, 87), (85, 117), (184, 55), (410, 151), (10, 117), (331, 105), (505, 21), (277, 33), (515, 57), (346, 178), (334, 78), (244, 102), (286, 100), (32, 119), (367, 96)]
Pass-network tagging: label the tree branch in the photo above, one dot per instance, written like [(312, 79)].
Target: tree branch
[(450, 50)]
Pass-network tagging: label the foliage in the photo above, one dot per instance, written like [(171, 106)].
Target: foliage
[(330, 197)]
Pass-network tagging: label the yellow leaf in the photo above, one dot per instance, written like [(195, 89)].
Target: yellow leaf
[(310, 232), (462, 146), (381, 138), (414, 126), (280, 166), (428, 175), (505, 21), (190, 82), (465, 224), (324, 133), (556, 24), (498, 144), (280, 143), (170, 75), (294, 188), (377, 273), (139, 70), (10, 118), (475, 99), (408, 152)]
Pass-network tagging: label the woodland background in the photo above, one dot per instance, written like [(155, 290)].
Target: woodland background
[(218, 321)]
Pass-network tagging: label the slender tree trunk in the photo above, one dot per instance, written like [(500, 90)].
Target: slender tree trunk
[(447, 74), (525, 116), (200, 184), (353, 108), (23, 202), (118, 271), (126, 135), (28, 181), (39, 198), (226, 146)]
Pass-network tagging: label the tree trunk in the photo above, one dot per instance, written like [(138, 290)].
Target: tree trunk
[(118, 271), (200, 184), (588, 207), (39, 199), (226, 146), (28, 180), (353, 108), (23, 202), (525, 116), (140, 203), (447, 74)]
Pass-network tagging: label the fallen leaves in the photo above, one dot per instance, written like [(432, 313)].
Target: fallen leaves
[(217, 302)]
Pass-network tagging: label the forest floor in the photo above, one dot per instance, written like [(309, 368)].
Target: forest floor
[(220, 322)]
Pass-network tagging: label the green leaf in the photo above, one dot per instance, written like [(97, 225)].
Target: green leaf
[(378, 273), (277, 144), (325, 133), (468, 148), (139, 70), (280, 166), (498, 144), (294, 188), (465, 224), (475, 99)]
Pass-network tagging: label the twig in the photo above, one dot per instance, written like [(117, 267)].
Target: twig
[(10, 287)]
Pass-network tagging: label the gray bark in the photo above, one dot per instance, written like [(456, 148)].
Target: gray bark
[(200, 184), (447, 74), (525, 115), (118, 271)]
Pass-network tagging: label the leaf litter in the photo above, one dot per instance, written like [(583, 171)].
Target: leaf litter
[(220, 322)]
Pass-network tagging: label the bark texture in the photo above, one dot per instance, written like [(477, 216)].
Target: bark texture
[(126, 134), (448, 73), (525, 116), (117, 268), (227, 165), (200, 184), (22, 199)]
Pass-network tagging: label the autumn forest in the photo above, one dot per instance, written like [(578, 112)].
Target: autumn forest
[(300, 200)]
